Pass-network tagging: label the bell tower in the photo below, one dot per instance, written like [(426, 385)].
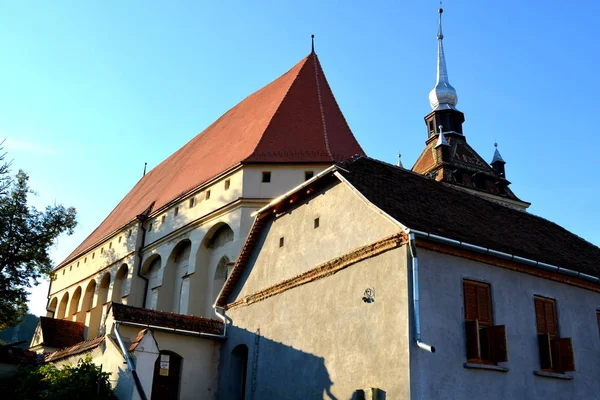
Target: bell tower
[(447, 157)]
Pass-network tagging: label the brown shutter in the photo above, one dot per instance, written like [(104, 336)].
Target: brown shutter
[(470, 295), (484, 305), (497, 343), (550, 312), (473, 348), (540, 315), (545, 351), (565, 358)]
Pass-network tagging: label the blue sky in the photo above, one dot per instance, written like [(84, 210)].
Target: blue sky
[(89, 91)]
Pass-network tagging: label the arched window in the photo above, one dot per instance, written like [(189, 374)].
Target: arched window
[(220, 276), (74, 307), (62, 307), (238, 370), (220, 238), (120, 286), (103, 291), (178, 268)]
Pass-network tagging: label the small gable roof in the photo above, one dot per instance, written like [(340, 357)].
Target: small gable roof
[(60, 333), (77, 348), (294, 119), (144, 316)]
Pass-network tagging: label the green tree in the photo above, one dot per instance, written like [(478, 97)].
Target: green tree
[(82, 381), (26, 235)]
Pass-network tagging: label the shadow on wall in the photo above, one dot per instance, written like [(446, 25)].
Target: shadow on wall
[(255, 367)]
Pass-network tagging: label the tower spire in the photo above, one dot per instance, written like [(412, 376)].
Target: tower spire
[(443, 95)]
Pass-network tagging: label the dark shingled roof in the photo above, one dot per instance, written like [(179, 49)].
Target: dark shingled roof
[(61, 333), (144, 316), (426, 205), (78, 348), (294, 119), (17, 356)]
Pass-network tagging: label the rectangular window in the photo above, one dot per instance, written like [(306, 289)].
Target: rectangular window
[(207, 196), (281, 241), (162, 219), (176, 211), (266, 176), (227, 184), (308, 175), (486, 343), (316, 223), (556, 353), (192, 202)]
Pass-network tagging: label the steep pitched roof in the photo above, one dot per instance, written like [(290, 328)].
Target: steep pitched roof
[(78, 348), (426, 205), (60, 333), (124, 313), (294, 119)]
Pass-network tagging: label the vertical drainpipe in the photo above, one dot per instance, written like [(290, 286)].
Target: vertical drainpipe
[(142, 218), (136, 379), (415, 293)]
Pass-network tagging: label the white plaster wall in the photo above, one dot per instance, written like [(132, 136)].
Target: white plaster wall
[(442, 375), (342, 228), (283, 178)]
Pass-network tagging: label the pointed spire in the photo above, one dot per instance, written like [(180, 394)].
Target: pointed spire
[(497, 156), (400, 161), (443, 95), (441, 138)]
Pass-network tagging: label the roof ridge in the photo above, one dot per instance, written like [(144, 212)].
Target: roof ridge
[(320, 98)]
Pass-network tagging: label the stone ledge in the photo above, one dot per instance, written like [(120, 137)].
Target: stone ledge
[(485, 367), (555, 375)]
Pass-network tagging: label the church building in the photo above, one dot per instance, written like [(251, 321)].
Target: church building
[(251, 266)]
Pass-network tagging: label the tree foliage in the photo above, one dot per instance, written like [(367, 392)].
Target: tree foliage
[(82, 381), (26, 235)]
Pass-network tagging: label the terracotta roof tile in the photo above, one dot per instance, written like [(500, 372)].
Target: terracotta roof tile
[(294, 119), (145, 316), (61, 333), (78, 348)]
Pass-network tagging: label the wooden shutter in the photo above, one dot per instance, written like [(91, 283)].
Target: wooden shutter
[(473, 347), (545, 351), (470, 295), (545, 316), (565, 360), (478, 304), (497, 343)]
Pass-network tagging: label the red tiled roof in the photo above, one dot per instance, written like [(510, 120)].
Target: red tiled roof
[(78, 348), (294, 119), (61, 333), (123, 313)]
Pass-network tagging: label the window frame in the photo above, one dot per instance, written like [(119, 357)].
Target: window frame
[(555, 352)]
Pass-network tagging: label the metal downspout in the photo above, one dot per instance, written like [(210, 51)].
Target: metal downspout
[(136, 379), (142, 218), (415, 293), (222, 318)]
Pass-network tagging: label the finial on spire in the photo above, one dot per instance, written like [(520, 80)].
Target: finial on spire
[(400, 161), (312, 40), (443, 95), (497, 156), (441, 138)]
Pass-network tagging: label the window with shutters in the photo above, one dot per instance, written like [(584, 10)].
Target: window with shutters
[(486, 342), (556, 353)]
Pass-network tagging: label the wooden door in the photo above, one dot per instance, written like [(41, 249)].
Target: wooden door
[(167, 371)]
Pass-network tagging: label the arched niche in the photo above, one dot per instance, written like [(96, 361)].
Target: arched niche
[(51, 309), (74, 306), (214, 247), (238, 370), (62, 307), (88, 297), (120, 285), (151, 270), (103, 289), (173, 281)]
